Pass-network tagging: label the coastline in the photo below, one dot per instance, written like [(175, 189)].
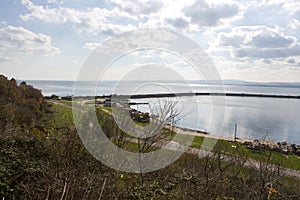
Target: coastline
[(280, 146), (255, 144), (199, 133)]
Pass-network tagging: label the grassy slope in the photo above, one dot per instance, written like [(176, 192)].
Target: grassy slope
[(59, 115)]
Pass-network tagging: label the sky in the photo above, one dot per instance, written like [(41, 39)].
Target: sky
[(255, 40)]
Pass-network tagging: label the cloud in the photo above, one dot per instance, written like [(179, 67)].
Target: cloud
[(124, 15), (93, 20), (55, 1), (259, 42), (4, 23), (91, 46), (145, 7), (267, 61), (272, 40), (267, 53), (292, 6), (294, 24), (18, 40), (5, 59), (203, 14), (291, 61), (178, 22)]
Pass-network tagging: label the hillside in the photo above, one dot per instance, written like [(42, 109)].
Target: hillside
[(20, 105), (42, 157)]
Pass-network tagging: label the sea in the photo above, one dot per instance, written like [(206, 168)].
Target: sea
[(272, 119)]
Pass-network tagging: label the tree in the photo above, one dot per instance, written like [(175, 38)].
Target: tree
[(165, 112)]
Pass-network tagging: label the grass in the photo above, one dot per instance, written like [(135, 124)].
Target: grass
[(197, 143), (106, 108), (290, 161), (131, 146), (60, 115)]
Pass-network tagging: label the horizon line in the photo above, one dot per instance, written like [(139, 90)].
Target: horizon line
[(227, 80)]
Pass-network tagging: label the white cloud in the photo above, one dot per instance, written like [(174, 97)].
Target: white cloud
[(259, 42), (4, 23), (145, 7), (257, 36), (91, 46), (189, 15), (294, 24), (129, 15), (178, 22), (208, 15), (55, 1), (94, 20), (18, 40), (292, 6)]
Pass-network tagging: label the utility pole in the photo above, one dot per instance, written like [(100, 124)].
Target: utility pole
[(172, 124), (235, 130)]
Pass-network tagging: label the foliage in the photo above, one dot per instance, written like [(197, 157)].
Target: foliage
[(35, 166), (20, 105)]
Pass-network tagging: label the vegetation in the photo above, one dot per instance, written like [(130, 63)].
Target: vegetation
[(288, 160), (37, 167), (20, 105), (43, 158)]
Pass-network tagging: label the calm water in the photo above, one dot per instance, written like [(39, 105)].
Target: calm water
[(257, 118)]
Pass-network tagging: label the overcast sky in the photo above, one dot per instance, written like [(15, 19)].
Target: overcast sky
[(253, 40)]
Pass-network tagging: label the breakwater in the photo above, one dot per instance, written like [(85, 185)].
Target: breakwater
[(165, 95)]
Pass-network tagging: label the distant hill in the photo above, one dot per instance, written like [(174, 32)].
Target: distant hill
[(270, 84), (240, 82)]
